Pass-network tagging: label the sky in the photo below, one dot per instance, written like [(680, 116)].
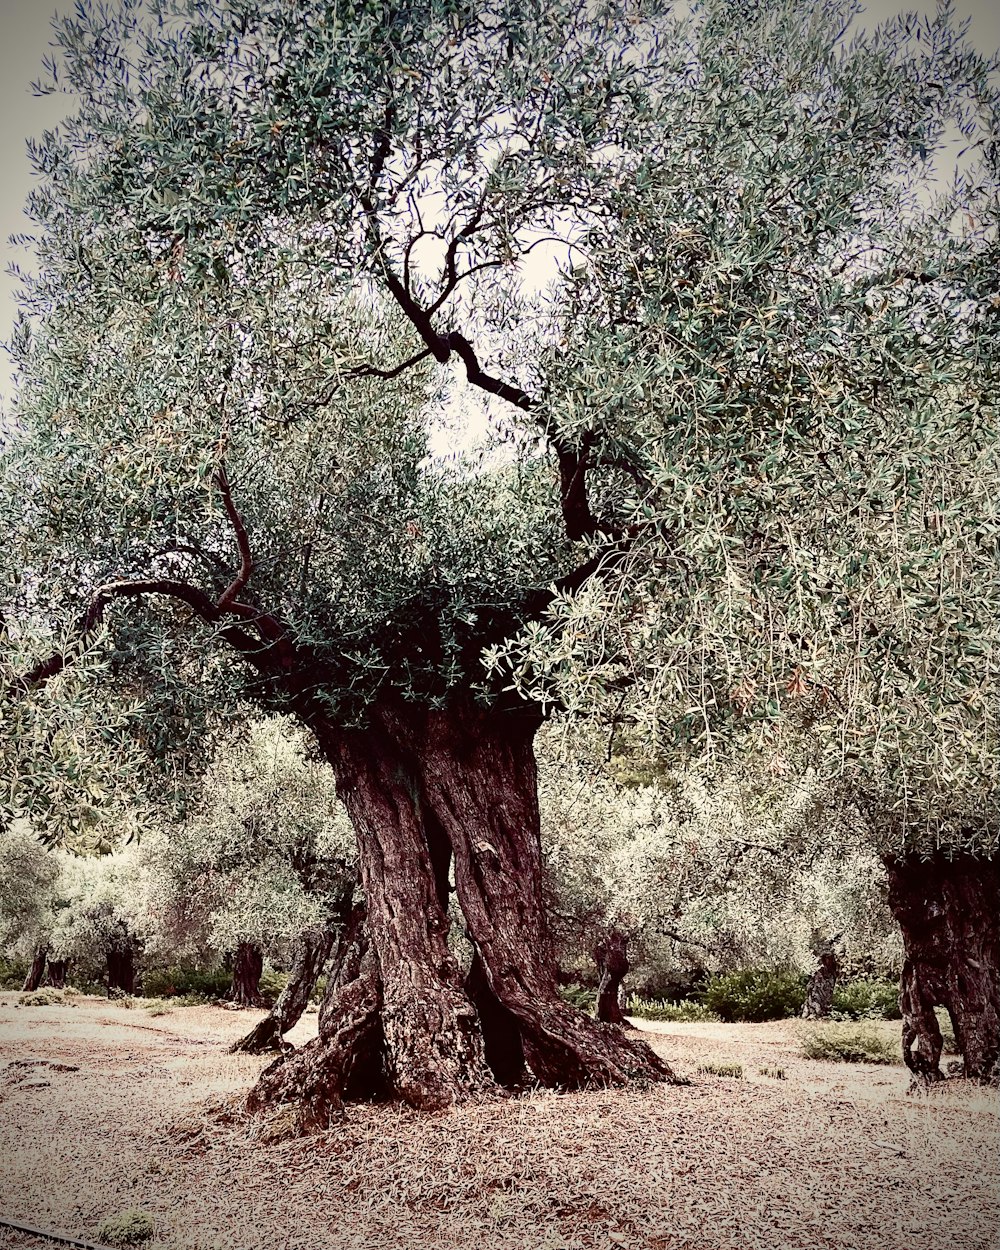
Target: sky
[(24, 38)]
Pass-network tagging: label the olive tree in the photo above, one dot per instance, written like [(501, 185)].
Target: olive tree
[(261, 864), (28, 890), (281, 254), (704, 869)]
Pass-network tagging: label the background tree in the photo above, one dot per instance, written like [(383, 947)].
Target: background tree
[(28, 890), (703, 870), (100, 923), (264, 859)]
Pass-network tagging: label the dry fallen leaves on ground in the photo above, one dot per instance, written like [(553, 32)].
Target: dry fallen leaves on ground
[(104, 1109)]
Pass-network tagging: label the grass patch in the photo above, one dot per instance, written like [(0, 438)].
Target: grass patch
[(734, 1070), (841, 1043), (775, 1074), (684, 1011), (127, 1228), (45, 997)]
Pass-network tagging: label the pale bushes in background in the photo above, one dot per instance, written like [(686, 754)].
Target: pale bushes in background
[(705, 872), (265, 852), (29, 878)]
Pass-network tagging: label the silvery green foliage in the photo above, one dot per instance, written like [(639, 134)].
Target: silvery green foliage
[(706, 868), (99, 906), (265, 851), (29, 876), (772, 345), (68, 760), (786, 336)]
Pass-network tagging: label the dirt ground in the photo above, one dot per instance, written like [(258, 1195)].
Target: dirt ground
[(833, 1156)]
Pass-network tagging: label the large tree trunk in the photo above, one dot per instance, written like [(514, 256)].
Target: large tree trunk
[(819, 991), (481, 781), (121, 969), (949, 912), (56, 973), (37, 970), (248, 965), (314, 947), (396, 1019), (611, 957), (399, 1018)]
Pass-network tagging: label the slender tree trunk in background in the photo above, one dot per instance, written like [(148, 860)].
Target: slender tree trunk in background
[(56, 973), (248, 965), (611, 957), (949, 913), (314, 947), (121, 969), (37, 970), (819, 991), (480, 778)]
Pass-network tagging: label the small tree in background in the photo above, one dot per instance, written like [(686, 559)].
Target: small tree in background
[(29, 875), (264, 855), (100, 923)]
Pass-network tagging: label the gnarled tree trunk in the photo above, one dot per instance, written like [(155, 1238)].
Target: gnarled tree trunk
[(314, 947), (479, 774), (819, 991), (248, 965), (121, 969), (37, 970), (611, 957), (425, 788), (949, 911)]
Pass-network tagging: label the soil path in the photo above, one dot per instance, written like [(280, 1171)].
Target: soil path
[(833, 1157)]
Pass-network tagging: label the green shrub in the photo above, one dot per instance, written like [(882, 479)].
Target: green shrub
[(127, 1228), (754, 994), (864, 999), (272, 983), (45, 997), (842, 1043), (180, 981), (687, 1010), (580, 996), (12, 973), (734, 1070)]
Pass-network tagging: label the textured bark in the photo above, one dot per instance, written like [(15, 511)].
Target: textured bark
[(348, 1059), (396, 1020), (424, 789), (949, 913), (248, 965), (481, 781), (121, 969), (314, 947), (37, 970), (55, 974), (819, 991), (611, 957)]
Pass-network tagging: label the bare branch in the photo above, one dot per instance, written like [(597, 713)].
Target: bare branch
[(234, 588)]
